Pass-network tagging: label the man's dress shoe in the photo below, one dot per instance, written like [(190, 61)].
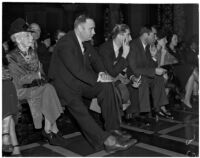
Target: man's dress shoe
[(122, 135), (120, 145)]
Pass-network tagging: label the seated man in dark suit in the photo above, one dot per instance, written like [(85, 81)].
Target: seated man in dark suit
[(114, 54), (74, 78), (152, 82)]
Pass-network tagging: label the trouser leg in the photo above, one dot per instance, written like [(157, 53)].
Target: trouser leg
[(144, 98), (158, 92), (107, 100), (94, 134)]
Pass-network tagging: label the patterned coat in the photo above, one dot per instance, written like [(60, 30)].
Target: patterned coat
[(42, 99)]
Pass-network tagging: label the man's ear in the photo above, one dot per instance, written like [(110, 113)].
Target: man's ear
[(146, 34), (80, 27), (13, 38)]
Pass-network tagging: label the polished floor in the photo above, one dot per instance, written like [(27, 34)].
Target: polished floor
[(166, 138)]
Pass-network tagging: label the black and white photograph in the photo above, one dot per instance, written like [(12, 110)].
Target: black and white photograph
[(100, 79)]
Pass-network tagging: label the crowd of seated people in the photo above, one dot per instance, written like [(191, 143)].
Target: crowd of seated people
[(138, 68)]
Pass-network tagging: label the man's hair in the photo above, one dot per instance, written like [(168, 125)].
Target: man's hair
[(81, 19), (147, 29), (119, 28), (34, 27), (161, 33)]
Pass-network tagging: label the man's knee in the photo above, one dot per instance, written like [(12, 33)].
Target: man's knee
[(144, 84), (77, 105), (159, 78), (159, 81), (105, 86)]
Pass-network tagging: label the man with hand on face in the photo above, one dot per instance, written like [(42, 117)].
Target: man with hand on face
[(152, 82), (114, 52), (73, 76), (114, 55)]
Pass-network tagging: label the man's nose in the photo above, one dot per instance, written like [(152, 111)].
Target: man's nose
[(93, 32)]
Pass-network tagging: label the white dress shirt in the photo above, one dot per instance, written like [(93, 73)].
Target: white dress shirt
[(116, 49), (80, 43)]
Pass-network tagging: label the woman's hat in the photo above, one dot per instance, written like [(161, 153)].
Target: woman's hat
[(19, 25)]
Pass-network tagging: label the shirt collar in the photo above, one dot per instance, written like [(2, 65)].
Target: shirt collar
[(144, 45), (80, 42), (116, 49)]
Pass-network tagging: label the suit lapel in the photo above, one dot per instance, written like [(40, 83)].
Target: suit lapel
[(145, 55), (79, 51), (141, 48), (111, 47)]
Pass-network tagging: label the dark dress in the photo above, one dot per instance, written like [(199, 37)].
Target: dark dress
[(191, 58), (9, 98), (182, 70)]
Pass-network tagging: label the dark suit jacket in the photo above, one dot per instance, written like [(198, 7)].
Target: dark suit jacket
[(140, 62), (107, 53), (95, 61), (68, 68)]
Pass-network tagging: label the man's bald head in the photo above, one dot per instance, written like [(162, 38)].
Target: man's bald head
[(35, 29)]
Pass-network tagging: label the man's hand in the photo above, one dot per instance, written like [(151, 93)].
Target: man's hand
[(160, 71), (122, 78), (153, 50), (104, 77), (136, 81), (126, 48)]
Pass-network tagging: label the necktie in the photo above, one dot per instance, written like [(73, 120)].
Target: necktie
[(85, 59), (145, 49), (120, 52)]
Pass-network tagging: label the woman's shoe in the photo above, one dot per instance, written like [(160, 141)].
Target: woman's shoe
[(53, 139), (159, 114), (167, 114), (18, 154), (186, 106), (6, 147), (61, 138)]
